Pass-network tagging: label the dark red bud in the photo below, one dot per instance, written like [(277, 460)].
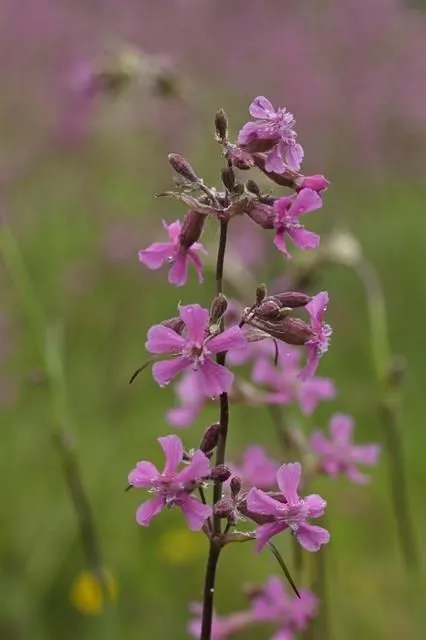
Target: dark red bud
[(294, 331), (269, 309), (261, 214), (292, 299), (182, 167), (221, 126), (235, 486), (192, 228), (224, 508), (210, 438), (228, 178), (176, 324), (220, 473), (218, 308), (253, 187)]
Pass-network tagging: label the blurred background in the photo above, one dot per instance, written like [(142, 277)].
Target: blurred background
[(93, 97)]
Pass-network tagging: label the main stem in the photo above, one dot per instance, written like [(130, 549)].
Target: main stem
[(215, 544)]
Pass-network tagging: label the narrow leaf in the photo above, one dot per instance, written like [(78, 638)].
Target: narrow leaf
[(284, 567)]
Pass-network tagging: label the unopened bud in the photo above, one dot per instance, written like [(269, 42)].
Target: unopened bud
[(317, 183), (221, 473), (253, 187), (224, 508), (238, 157), (192, 228), (182, 167), (269, 309), (294, 331), (221, 126), (261, 293), (218, 308), (176, 324), (228, 178), (210, 437), (235, 486), (292, 299)]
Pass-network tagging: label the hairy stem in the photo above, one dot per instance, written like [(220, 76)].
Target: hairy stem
[(215, 542)]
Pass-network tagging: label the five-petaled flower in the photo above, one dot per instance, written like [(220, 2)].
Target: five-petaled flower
[(338, 454), (193, 350), (174, 253), (272, 131), (171, 487), (287, 212), (317, 345), (292, 513)]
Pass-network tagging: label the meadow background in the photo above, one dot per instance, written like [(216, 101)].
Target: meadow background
[(77, 176)]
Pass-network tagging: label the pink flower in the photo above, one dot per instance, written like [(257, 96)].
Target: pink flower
[(285, 385), (192, 401), (272, 131), (194, 350), (338, 454), (222, 627), (273, 604), (257, 468), (175, 254), (172, 487), (287, 211), (291, 514), (321, 332)]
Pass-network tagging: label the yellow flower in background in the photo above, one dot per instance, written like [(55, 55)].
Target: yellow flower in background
[(180, 546), (86, 593)]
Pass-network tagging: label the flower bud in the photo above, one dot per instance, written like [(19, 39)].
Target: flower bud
[(269, 309), (317, 183), (182, 167), (210, 437), (294, 331), (224, 508), (261, 293), (192, 228), (220, 473), (239, 158), (221, 126), (235, 486), (261, 214), (292, 299), (228, 178), (218, 308), (253, 187), (176, 324)]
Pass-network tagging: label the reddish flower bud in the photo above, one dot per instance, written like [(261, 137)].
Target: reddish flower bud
[(239, 158), (221, 126), (269, 309), (210, 438), (176, 324), (182, 167), (261, 293), (235, 486), (228, 178), (292, 299), (220, 473), (224, 508), (192, 228), (218, 308), (294, 331), (253, 187)]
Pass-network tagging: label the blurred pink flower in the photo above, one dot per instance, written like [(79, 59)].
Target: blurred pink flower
[(223, 626), (257, 469), (191, 399), (338, 454), (273, 604), (172, 487), (287, 211)]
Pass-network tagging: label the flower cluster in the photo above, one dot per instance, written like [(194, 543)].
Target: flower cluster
[(264, 337)]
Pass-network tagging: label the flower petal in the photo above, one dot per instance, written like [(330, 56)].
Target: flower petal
[(265, 532), (319, 443), (148, 510), (303, 238), (261, 108), (279, 242), (307, 200), (231, 339), (315, 504), (288, 478), (173, 229), (311, 537), (199, 467), (293, 155), (166, 370), (194, 511), (196, 262), (274, 162), (182, 416), (156, 254), (341, 427), (173, 451), (196, 319), (317, 305), (143, 475), (260, 502), (312, 391), (248, 133), (367, 454), (214, 379), (178, 274), (161, 339)]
